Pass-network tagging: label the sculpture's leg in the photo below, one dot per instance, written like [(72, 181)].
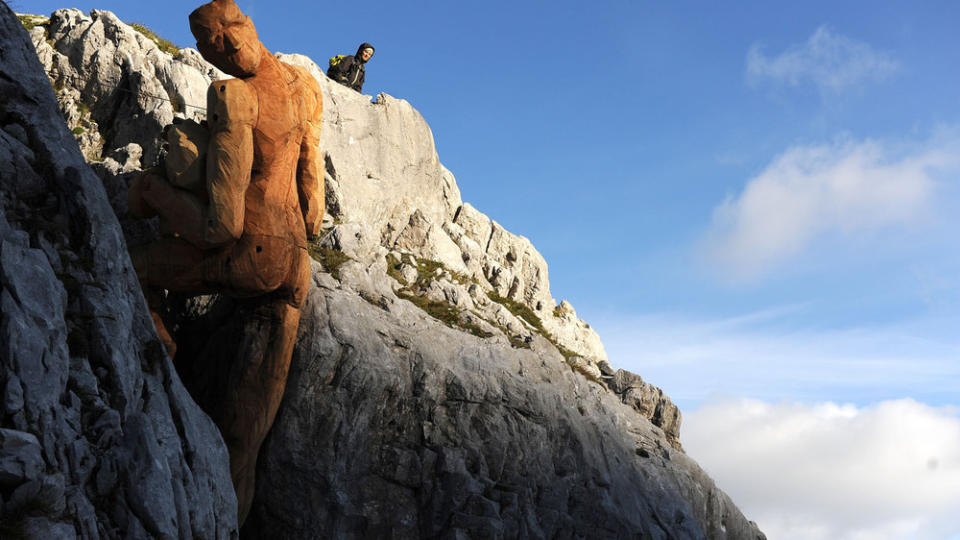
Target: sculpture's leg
[(168, 263), (154, 298), (255, 388), (240, 381)]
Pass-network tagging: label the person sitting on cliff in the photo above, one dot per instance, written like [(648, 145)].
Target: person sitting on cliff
[(349, 70), (245, 235)]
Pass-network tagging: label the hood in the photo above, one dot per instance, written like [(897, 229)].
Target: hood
[(360, 50)]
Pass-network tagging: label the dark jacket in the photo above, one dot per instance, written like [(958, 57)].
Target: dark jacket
[(349, 71)]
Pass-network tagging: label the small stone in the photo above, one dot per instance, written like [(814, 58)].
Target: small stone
[(409, 273), (128, 157)]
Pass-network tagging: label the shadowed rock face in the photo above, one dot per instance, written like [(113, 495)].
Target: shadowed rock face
[(399, 424), (99, 439), (396, 426)]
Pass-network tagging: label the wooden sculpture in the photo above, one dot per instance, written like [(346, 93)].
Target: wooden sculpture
[(244, 233)]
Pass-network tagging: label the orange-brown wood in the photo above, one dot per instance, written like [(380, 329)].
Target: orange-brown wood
[(246, 236)]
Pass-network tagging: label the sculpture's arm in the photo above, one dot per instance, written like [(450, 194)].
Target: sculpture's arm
[(310, 165), (231, 114)]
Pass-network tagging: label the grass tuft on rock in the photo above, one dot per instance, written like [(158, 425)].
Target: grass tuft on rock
[(393, 268), (331, 259), (525, 313), (165, 45), (32, 21), (443, 312), (427, 271), (567, 353), (519, 310)]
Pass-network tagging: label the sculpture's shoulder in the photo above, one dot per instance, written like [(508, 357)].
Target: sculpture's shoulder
[(307, 86), (231, 101), (303, 75)]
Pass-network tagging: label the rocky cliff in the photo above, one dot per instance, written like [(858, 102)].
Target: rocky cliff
[(437, 388), (99, 438)]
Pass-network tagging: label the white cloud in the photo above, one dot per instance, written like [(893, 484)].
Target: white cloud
[(830, 61), (808, 472), (808, 192)]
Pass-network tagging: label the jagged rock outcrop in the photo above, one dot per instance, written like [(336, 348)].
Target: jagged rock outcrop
[(99, 439), (646, 399), (116, 82), (437, 388)]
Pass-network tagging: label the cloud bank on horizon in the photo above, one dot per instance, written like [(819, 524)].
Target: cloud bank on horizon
[(825, 471)]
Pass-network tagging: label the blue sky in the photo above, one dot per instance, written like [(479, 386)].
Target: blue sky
[(750, 203)]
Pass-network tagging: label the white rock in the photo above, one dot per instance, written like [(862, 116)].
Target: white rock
[(423, 237), (409, 273)]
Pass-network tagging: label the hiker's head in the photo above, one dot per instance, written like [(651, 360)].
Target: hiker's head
[(364, 52), (226, 37)]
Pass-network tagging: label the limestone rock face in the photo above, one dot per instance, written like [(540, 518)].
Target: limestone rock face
[(124, 87), (98, 438), (397, 426), (382, 156), (383, 171), (646, 399)]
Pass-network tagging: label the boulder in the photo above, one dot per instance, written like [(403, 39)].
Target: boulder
[(649, 401)]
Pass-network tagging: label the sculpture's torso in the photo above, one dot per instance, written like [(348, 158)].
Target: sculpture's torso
[(272, 204)]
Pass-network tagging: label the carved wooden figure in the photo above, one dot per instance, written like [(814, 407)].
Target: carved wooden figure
[(246, 236)]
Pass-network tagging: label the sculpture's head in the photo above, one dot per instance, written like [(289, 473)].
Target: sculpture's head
[(226, 37)]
